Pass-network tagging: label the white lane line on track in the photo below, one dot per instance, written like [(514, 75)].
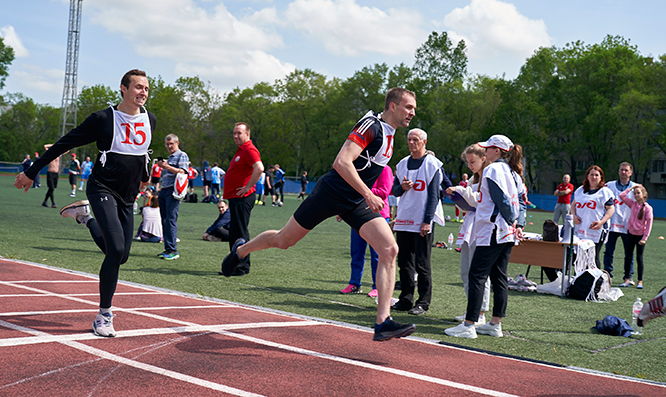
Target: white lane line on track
[(48, 338), (88, 294), (139, 365), (115, 310)]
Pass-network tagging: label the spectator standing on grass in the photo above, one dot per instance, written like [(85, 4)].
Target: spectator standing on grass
[(192, 174), (499, 222), (563, 193), (618, 222), (357, 245), (345, 191), (51, 177), (639, 226), (475, 156), (219, 230), (279, 184), (304, 184), (74, 170), (417, 182), (177, 163), (27, 162), (86, 169), (217, 174), (592, 207), (155, 176), (121, 170), (259, 188), (243, 173), (36, 184), (269, 187), (207, 176)]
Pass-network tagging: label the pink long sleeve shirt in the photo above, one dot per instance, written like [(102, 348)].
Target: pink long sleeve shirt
[(382, 188), (635, 226)]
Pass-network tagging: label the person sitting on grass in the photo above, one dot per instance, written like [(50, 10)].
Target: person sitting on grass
[(150, 230), (219, 230)]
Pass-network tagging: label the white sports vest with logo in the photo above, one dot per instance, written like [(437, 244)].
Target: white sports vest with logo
[(590, 208), (411, 207)]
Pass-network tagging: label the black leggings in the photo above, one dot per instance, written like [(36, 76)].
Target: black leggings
[(632, 241), (112, 231), (52, 183)]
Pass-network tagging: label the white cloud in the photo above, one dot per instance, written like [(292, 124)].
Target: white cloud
[(345, 28), (214, 44), (31, 77), (11, 38), (492, 28)]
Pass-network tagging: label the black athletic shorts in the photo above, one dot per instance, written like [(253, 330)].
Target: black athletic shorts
[(324, 203), (154, 180), (72, 179), (52, 180), (207, 183)]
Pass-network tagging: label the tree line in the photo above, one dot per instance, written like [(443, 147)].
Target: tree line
[(568, 107)]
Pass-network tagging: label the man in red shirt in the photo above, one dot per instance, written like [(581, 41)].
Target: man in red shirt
[(192, 174), (243, 173), (155, 175), (563, 193)]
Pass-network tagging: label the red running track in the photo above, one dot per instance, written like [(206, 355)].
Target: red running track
[(171, 344)]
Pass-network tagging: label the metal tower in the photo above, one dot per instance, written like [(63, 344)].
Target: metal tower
[(68, 107)]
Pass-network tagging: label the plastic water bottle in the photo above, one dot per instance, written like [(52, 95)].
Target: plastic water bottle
[(635, 311), (450, 242), (135, 208)]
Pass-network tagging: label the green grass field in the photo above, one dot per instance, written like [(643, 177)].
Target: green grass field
[(306, 279)]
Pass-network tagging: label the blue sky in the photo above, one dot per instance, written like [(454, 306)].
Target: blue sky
[(237, 43)]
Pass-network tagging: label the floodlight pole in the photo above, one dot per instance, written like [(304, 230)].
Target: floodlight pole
[(68, 107)]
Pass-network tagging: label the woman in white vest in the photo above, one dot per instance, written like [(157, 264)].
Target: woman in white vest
[(592, 207), (475, 156), (499, 221)]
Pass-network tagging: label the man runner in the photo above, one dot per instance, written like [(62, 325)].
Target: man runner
[(123, 134), (346, 191)]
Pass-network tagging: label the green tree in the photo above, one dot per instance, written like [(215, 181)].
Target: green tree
[(6, 58)]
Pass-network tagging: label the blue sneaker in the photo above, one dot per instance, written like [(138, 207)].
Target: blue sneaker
[(161, 255), (171, 256), (231, 261), (390, 329)]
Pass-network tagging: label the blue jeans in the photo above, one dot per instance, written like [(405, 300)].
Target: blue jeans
[(357, 250), (610, 250), (169, 212)]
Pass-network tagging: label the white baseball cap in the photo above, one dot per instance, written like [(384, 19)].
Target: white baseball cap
[(499, 141)]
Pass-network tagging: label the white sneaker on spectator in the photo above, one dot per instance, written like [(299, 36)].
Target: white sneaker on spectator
[(490, 329), (480, 321), (462, 331)]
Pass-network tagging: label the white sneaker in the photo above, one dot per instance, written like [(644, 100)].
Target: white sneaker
[(80, 189), (480, 321), (79, 210), (72, 194), (490, 329), (462, 331), (103, 325)]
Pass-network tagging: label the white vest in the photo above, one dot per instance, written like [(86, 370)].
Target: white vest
[(131, 135), (618, 222), (411, 207), (466, 232), (508, 181), (590, 208)]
